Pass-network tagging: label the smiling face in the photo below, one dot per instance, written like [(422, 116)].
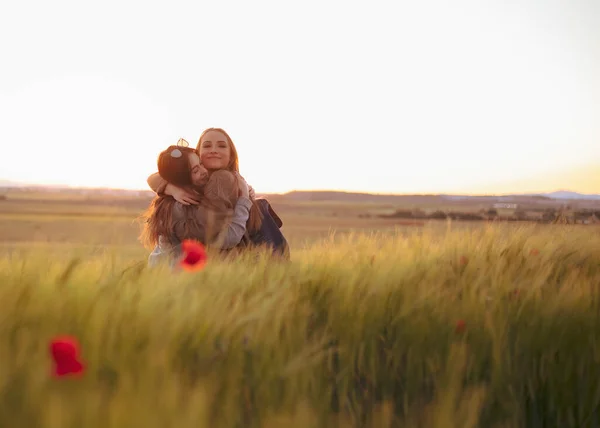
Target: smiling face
[(215, 150), (198, 173)]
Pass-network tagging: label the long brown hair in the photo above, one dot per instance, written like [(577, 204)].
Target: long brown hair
[(255, 218), (158, 221), (174, 167)]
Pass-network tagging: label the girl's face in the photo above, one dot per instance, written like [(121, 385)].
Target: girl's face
[(215, 152), (199, 173)]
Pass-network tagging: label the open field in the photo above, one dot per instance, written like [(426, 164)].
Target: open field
[(108, 217), (54, 219), (443, 325)]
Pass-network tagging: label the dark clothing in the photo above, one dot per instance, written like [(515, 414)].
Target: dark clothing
[(269, 233)]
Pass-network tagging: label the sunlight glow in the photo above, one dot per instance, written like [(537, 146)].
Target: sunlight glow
[(396, 97)]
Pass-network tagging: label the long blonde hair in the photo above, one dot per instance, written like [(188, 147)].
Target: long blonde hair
[(255, 219)]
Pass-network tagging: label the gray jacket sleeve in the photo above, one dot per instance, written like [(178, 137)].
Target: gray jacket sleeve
[(234, 232)]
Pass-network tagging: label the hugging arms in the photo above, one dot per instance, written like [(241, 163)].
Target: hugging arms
[(201, 196)]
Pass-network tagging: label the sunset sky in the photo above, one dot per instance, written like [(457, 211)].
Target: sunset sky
[(381, 96)]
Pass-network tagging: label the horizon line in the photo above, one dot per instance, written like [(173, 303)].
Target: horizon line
[(17, 185)]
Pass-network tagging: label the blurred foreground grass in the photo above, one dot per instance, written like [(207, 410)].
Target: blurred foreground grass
[(494, 327)]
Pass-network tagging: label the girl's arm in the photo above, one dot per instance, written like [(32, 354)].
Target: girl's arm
[(227, 238), (233, 234), (157, 183), (162, 187), (220, 197)]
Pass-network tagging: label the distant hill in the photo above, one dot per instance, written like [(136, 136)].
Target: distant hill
[(18, 184), (565, 194), (340, 196), (8, 183)]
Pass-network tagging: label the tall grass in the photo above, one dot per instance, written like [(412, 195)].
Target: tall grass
[(497, 327)]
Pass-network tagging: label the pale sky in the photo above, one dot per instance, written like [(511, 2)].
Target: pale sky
[(389, 97)]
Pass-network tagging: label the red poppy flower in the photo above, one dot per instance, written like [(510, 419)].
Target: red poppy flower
[(194, 256), (65, 353), (534, 252), (461, 326), (463, 261)]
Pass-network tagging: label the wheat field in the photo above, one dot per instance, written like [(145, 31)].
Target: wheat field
[(379, 326)]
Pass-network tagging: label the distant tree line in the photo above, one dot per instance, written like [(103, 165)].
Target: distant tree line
[(548, 215)]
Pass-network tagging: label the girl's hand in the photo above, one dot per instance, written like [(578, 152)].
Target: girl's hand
[(251, 192), (181, 195)]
